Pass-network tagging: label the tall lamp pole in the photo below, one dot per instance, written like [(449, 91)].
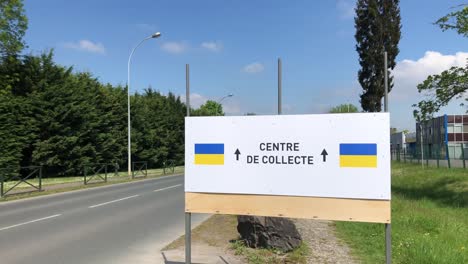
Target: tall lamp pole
[(229, 95), (155, 35)]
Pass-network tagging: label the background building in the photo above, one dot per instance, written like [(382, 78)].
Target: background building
[(444, 136), (398, 141), (410, 142)]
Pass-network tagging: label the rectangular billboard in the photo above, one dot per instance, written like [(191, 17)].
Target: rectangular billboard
[(328, 155)]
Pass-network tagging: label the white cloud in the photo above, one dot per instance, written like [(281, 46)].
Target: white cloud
[(86, 45), (255, 67), (196, 100), (212, 46), (174, 47), (409, 73), (345, 8), (230, 106)]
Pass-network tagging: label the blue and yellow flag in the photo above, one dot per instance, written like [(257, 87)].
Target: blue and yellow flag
[(358, 155), (209, 154)]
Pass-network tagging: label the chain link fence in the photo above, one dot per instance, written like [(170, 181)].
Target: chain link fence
[(451, 155)]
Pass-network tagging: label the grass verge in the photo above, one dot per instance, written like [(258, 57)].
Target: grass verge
[(429, 219), (65, 184)]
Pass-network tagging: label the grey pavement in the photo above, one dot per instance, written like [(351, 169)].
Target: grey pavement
[(123, 223)]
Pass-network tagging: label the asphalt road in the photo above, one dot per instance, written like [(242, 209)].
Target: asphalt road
[(125, 223)]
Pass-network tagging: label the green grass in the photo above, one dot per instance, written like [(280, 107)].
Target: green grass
[(121, 178), (429, 219), (270, 256)]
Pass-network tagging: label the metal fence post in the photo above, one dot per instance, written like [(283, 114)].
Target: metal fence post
[(463, 155), (427, 156), (85, 171), (399, 153), (146, 169), (1, 185), (438, 155), (105, 173), (448, 156), (40, 178)]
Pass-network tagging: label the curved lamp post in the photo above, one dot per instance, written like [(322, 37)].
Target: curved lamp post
[(227, 96), (155, 35)]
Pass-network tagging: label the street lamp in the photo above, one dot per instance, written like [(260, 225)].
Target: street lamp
[(227, 96), (155, 35)]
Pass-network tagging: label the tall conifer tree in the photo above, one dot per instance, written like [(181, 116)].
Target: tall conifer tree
[(378, 26)]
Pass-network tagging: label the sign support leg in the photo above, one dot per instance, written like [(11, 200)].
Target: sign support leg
[(388, 227), (188, 216), (280, 87), (188, 238), (388, 243)]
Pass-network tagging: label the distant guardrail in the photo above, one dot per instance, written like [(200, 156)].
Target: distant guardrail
[(168, 167), (20, 175), (99, 172), (139, 169)]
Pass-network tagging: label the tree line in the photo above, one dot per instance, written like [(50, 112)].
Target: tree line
[(61, 119), (53, 116)]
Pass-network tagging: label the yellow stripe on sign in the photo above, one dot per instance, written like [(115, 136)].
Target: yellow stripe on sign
[(357, 161), (209, 159)]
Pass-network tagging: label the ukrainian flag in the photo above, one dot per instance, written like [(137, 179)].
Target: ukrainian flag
[(209, 154), (358, 155)]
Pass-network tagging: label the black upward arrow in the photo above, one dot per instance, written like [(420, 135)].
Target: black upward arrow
[(324, 154), (237, 154)]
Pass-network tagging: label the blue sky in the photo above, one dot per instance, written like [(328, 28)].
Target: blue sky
[(233, 46)]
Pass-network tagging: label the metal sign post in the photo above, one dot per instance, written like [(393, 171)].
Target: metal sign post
[(280, 82), (388, 227), (188, 216)]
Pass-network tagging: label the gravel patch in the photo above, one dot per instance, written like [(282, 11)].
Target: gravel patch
[(324, 246)]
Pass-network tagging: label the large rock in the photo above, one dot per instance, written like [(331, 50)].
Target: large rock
[(268, 232)]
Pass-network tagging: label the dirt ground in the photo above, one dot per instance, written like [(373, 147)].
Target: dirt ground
[(323, 244), (210, 243)]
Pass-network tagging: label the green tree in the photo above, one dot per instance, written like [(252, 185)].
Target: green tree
[(378, 26), (210, 108), (52, 116), (80, 121), (13, 26), (450, 84), (344, 108), (157, 128), (457, 20), (18, 131)]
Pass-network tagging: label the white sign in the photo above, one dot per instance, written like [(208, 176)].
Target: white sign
[(328, 155)]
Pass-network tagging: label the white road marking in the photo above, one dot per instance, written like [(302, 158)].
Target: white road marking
[(118, 200), (167, 188), (29, 222)]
